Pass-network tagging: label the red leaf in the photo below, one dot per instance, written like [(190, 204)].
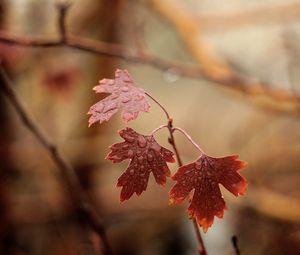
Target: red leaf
[(203, 176), (145, 155), (124, 94)]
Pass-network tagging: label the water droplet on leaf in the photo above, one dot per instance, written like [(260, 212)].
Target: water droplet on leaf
[(142, 141)]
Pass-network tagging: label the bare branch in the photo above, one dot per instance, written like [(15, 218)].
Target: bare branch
[(62, 8), (263, 94), (75, 190), (235, 245)]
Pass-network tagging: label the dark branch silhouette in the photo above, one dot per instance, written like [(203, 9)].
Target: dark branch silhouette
[(278, 99)]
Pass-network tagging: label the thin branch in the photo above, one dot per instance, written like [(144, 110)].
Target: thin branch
[(266, 14), (85, 210), (202, 249), (158, 128), (62, 8), (159, 104), (274, 98), (235, 245), (171, 140), (189, 138), (213, 67)]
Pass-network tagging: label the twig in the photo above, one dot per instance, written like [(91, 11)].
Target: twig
[(280, 99), (171, 140), (189, 138), (62, 8), (235, 245), (158, 128), (159, 104), (266, 14), (85, 211), (213, 67)]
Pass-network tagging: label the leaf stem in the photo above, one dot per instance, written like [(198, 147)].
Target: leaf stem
[(202, 250), (158, 128), (189, 138), (169, 125), (158, 103), (85, 212)]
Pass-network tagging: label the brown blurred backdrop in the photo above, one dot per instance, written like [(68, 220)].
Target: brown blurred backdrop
[(257, 39)]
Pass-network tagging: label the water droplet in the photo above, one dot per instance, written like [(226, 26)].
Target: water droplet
[(128, 138), (130, 153), (150, 157), (140, 159), (125, 99), (142, 141), (110, 107), (131, 171), (139, 97), (198, 165), (171, 75), (125, 89)]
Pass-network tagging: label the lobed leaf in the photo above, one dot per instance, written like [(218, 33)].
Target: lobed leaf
[(124, 95), (146, 156), (203, 176)]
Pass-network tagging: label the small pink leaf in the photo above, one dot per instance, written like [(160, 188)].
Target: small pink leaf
[(146, 156), (204, 176), (124, 94)]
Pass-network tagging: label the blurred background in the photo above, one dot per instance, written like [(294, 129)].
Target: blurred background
[(256, 116)]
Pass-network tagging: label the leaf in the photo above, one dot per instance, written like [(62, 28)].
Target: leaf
[(146, 156), (124, 94), (204, 176)]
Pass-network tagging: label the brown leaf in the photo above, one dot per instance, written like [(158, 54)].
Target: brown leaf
[(204, 176), (146, 156), (124, 94)]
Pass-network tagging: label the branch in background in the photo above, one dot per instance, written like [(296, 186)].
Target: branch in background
[(211, 69), (287, 11), (235, 245), (80, 203), (216, 70), (85, 212)]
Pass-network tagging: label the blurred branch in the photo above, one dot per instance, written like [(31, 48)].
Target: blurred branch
[(188, 28), (235, 245), (269, 14), (216, 70), (211, 67), (85, 211), (274, 204), (62, 9)]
